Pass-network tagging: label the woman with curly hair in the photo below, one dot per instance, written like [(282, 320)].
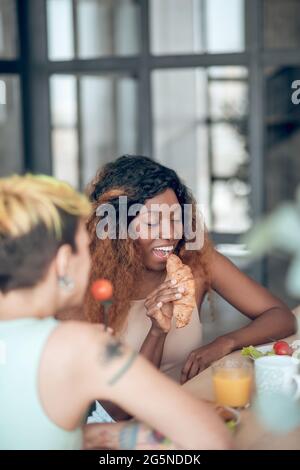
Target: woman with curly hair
[(137, 269)]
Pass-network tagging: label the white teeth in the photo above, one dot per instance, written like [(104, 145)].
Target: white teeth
[(166, 249)]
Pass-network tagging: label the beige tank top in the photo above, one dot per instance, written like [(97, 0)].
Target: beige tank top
[(179, 342)]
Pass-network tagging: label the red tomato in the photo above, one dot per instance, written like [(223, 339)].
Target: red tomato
[(282, 348), (102, 289)]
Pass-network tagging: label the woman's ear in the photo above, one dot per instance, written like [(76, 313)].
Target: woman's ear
[(63, 260)]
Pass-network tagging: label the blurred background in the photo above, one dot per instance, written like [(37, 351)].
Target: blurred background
[(203, 86)]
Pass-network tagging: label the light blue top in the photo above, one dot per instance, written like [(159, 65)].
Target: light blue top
[(23, 422)]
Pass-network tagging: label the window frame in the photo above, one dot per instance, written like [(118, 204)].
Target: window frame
[(35, 71)]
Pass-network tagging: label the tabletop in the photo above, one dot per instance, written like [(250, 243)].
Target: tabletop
[(250, 434)]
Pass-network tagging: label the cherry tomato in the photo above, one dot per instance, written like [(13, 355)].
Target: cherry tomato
[(282, 348), (102, 289)]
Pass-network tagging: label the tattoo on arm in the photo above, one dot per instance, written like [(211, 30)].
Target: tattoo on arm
[(115, 349), (135, 435), (123, 369)]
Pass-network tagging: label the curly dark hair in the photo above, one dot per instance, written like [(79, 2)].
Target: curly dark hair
[(140, 179)]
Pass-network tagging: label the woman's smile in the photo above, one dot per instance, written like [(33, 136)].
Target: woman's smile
[(162, 252)]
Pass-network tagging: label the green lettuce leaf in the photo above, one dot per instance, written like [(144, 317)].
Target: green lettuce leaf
[(253, 353)]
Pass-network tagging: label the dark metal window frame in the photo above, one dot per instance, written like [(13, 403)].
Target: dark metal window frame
[(35, 69)]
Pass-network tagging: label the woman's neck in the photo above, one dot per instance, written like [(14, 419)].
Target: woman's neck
[(27, 303)]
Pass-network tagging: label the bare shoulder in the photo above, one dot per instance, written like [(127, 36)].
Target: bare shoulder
[(88, 344), (79, 336), (73, 341), (218, 260), (216, 266), (72, 331), (222, 266)]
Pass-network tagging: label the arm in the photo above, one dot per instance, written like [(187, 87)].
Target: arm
[(271, 318), (112, 371), (123, 436), (153, 346), (159, 308)]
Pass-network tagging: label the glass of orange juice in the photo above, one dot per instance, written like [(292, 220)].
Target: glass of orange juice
[(232, 380)]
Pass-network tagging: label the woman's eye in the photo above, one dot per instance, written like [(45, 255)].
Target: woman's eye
[(153, 224)]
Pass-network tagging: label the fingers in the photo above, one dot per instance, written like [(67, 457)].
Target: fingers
[(194, 370), (153, 312), (162, 320), (164, 296), (157, 314), (164, 299), (94, 436), (102, 435), (193, 366), (165, 286), (153, 306), (186, 368)]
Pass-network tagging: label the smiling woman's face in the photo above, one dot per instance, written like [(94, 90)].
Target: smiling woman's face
[(161, 227)]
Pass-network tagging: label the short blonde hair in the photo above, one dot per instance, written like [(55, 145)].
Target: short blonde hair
[(38, 214), (30, 200)]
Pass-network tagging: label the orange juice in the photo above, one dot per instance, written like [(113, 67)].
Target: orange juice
[(232, 386)]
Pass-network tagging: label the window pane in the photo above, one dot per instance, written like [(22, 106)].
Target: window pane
[(228, 150), (282, 162), (109, 120), (200, 129), (225, 25), (94, 127), (107, 27), (282, 134), (60, 29), (65, 155), (230, 206), (8, 29), (11, 160), (191, 26), (281, 24), (228, 92), (64, 128), (63, 99)]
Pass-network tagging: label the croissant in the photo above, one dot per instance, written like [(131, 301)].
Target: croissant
[(183, 307)]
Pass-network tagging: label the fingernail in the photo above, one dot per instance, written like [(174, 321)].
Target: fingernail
[(173, 282), (181, 289), (159, 305), (178, 296)]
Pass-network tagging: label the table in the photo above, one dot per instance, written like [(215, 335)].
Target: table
[(250, 434)]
